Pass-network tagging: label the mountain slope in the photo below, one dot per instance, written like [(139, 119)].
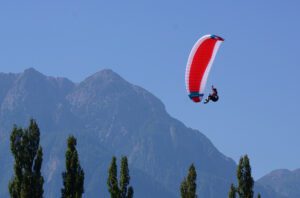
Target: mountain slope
[(109, 116), (283, 181)]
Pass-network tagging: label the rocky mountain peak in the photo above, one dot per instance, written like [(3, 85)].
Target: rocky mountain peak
[(31, 70), (32, 73), (104, 76)]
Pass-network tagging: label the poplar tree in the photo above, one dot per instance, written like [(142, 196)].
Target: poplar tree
[(188, 186), (119, 189), (112, 180), (130, 192), (27, 181), (232, 192), (125, 192), (73, 177), (184, 189), (245, 180), (258, 196), (38, 179)]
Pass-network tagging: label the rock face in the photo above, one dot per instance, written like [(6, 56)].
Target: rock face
[(109, 116), (283, 182)]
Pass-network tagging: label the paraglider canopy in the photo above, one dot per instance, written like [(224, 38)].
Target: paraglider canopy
[(199, 64)]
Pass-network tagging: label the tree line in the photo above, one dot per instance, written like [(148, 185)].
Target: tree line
[(27, 180)]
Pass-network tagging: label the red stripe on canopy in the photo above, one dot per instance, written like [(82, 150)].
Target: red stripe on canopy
[(199, 63)]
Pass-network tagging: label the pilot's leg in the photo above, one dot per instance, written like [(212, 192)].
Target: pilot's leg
[(207, 99)]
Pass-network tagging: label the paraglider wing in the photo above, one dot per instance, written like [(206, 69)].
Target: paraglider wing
[(199, 64)]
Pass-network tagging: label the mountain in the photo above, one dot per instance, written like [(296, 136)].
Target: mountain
[(109, 116), (283, 182)]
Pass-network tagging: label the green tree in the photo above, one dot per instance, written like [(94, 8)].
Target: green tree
[(188, 186), (119, 189), (232, 192), (73, 177), (130, 192), (27, 181), (258, 196), (184, 189), (245, 180), (112, 180), (125, 192)]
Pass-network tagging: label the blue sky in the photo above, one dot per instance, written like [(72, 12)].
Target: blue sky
[(147, 42)]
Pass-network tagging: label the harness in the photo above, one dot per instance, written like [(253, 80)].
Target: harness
[(214, 98)]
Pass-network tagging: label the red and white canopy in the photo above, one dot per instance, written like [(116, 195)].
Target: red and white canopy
[(199, 64)]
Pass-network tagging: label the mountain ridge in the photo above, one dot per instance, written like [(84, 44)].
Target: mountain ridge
[(109, 116), (283, 181)]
